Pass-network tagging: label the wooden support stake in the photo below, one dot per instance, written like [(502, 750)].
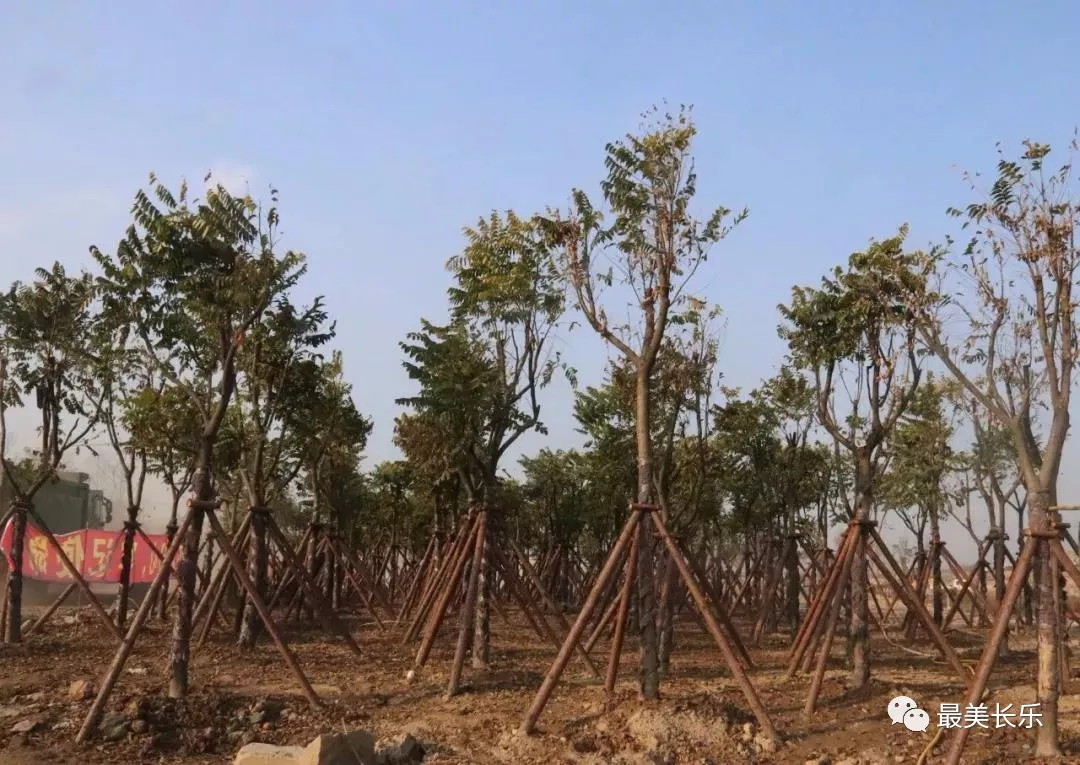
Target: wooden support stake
[(528, 726), (260, 607), (127, 645)]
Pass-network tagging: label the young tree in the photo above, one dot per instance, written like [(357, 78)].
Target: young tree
[(334, 434), (43, 332), (163, 425), (790, 397), (920, 461), (432, 459), (121, 373), (1015, 288), (277, 393), (481, 374), (190, 278), (990, 470), (656, 245), (856, 334)]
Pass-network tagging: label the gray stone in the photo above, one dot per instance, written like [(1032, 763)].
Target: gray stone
[(405, 752), (114, 727)]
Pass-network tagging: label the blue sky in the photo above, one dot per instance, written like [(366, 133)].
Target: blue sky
[(389, 126)]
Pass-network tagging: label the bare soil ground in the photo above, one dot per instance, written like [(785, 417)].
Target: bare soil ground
[(239, 697)]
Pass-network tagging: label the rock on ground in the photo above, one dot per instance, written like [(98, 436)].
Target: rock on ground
[(268, 754), (405, 752), (356, 748)]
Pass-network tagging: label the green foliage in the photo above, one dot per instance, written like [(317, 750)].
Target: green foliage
[(44, 328), (1014, 286), (749, 457), (278, 392), (504, 278), (556, 488), (861, 323), (480, 374), (330, 435), (921, 455), (864, 314), (654, 242), (163, 423), (190, 278), (459, 389)]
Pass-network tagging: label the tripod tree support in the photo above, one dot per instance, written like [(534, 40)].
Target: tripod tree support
[(206, 509), (93, 717), (637, 514), (468, 613), (1017, 580)]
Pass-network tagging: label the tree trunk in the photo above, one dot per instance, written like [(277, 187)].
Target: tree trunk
[(1028, 613), (860, 603), (650, 669), (125, 566), (331, 577), (13, 631), (185, 602), (481, 644), (314, 562), (208, 564), (998, 536), (258, 563), (1049, 678), (791, 567), (668, 591), (170, 531), (937, 593)]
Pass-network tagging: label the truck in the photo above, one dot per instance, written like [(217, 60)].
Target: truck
[(66, 502)]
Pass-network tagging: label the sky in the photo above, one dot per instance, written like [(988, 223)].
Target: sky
[(389, 126)]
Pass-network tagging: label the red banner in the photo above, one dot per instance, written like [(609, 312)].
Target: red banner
[(96, 555)]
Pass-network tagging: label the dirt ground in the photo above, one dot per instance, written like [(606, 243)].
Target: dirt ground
[(239, 697)]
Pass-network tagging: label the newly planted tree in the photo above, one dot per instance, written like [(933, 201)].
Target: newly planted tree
[(333, 434), (800, 465), (162, 424), (1014, 287), (655, 245), (189, 279), (277, 392), (43, 331), (856, 334), (921, 460), (480, 376), (995, 473), (121, 373)]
